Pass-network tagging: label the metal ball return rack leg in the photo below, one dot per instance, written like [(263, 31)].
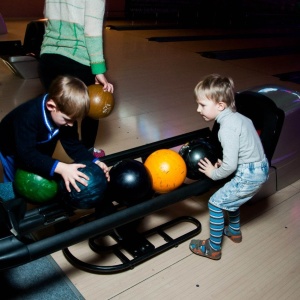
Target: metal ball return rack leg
[(136, 244)]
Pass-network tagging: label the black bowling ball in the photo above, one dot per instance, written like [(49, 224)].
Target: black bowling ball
[(89, 196), (129, 183), (192, 152)]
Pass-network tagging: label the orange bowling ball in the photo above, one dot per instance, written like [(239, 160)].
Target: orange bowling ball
[(101, 103), (167, 169)]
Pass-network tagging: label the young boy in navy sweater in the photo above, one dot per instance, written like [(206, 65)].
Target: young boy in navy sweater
[(29, 134)]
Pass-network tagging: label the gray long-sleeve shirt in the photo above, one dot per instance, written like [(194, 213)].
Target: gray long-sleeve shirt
[(240, 142)]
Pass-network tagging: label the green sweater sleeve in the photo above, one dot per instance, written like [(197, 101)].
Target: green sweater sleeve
[(76, 31)]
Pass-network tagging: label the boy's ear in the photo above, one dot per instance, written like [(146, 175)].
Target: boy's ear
[(221, 105), (51, 106)]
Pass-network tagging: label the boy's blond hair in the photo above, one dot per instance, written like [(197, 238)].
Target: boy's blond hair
[(217, 88), (70, 95)]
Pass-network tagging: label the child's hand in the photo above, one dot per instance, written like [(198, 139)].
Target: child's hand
[(104, 167), (206, 167), (218, 164), (71, 175), (107, 87)]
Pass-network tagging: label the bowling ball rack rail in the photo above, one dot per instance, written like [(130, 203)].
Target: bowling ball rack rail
[(17, 224), (133, 247)]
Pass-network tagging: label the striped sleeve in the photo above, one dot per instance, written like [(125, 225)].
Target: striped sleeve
[(93, 32)]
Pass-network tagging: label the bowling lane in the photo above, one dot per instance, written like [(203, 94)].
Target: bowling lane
[(154, 81), (207, 39), (282, 38), (15, 30)]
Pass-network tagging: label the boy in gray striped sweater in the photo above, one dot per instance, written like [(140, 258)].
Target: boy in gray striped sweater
[(242, 156)]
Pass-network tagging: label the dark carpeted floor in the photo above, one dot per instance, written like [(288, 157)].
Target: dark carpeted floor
[(41, 279)]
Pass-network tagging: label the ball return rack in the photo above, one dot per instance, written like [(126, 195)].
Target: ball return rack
[(17, 224), (274, 111)]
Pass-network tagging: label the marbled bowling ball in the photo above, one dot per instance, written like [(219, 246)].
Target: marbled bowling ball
[(92, 194)]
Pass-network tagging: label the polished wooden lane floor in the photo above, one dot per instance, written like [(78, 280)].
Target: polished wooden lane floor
[(154, 100)]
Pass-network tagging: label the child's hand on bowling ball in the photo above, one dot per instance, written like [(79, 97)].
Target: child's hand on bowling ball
[(71, 175), (218, 163), (206, 167), (104, 167)]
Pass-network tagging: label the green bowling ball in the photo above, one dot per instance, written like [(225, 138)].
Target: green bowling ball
[(34, 188)]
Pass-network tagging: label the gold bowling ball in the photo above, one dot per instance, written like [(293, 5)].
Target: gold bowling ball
[(101, 102)]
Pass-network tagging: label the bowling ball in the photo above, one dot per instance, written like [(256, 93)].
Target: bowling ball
[(129, 183), (101, 102), (192, 152), (167, 169), (89, 196), (34, 188)]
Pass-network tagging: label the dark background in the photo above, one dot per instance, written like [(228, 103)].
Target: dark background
[(200, 12)]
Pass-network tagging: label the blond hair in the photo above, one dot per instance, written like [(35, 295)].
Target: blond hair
[(217, 88), (70, 95)]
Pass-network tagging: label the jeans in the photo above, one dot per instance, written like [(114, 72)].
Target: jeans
[(246, 182), (8, 165)]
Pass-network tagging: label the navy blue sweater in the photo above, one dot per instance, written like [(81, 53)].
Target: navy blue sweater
[(29, 135)]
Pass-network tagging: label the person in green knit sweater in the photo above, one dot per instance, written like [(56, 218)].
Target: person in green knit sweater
[(73, 45)]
